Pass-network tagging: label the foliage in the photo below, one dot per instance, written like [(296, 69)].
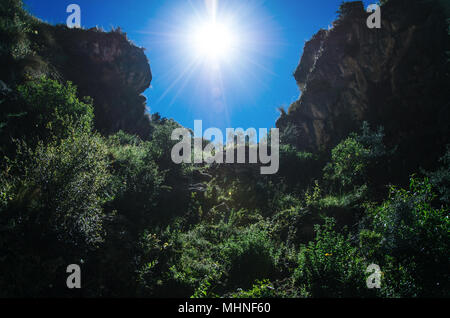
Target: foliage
[(43, 110), (141, 226), (261, 289), (138, 180), (330, 266), (53, 209), (17, 56), (297, 169), (252, 246), (199, 261), (353, 160), (415, 236), (13, 25)]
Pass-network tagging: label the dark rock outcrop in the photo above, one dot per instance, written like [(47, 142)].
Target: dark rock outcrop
[(396, 76), (104, 66)]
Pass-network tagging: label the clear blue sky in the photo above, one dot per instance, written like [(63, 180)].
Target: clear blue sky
[(242, 90)]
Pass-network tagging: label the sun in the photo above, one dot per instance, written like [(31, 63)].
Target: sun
[(214, 40), (212, 49)]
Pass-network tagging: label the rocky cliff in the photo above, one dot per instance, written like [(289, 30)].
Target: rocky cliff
[(395, 76), (104, 66)]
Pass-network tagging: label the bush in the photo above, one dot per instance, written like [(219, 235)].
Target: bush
[(261, 289), (250, 255), (43, 110), (357, 160), (199, 267), (138, 182), (297, 169), (53, 212), (215, 259), (15, 46), (415, 240), (330, 266), (49, 104)]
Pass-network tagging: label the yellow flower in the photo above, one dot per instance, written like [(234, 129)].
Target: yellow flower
[(328, 254)]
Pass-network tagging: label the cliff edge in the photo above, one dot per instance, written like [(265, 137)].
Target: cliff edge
[(395, 76)]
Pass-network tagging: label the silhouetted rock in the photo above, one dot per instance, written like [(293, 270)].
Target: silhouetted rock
[(394, 76), (105, 66)]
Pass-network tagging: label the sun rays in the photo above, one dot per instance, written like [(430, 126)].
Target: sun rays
[(211, 49)]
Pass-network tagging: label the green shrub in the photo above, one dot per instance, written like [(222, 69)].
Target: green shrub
[(330, 266), (15, 26), (357, 160), (42, 110), (416, 240), (48, 103), (348, 163), (199, 267), (138, 182), (215, 259), (251, 255), (261, 289), (53, 213), (297, 169)]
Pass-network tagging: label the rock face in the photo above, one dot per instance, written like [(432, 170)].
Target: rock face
[(394, 76), (106, 67)]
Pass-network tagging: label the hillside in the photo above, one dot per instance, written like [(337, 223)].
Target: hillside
[(87, 176)]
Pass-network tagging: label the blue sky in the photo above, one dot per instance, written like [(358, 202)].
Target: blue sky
[(243, 89)]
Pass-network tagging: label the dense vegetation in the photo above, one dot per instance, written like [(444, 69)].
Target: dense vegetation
[(140, 225)]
